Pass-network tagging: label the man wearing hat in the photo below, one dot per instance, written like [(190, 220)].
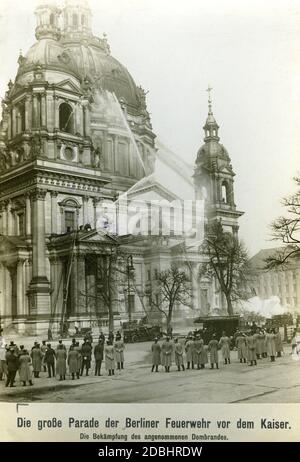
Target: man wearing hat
[(213, 352), (166, 354), (12, 362), (49, 360), (156, 350), (36, 357), (189, 350), (178, 347)]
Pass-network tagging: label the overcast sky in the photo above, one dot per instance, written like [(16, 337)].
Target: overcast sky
[(249, 53)]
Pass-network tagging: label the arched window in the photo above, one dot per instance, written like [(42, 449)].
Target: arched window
[(75, 20), (225, 193), (66, 118), (51, 19)]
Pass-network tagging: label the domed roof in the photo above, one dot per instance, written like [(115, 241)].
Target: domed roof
[(84, 59), (47, 53), (212, 149), (96, 63)]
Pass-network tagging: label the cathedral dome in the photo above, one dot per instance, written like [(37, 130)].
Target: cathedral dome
[(93, 60), (89, 59), (47, 53)]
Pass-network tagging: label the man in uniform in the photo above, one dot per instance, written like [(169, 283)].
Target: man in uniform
[(166, 354), (156, 350)]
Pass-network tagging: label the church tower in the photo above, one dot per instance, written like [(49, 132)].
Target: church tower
[(214, 176), (77, 19)]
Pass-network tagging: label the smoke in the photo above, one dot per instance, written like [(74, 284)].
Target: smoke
[(266, 308)]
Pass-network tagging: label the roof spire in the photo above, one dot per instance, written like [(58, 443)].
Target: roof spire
[(209, 89), (211, 127)]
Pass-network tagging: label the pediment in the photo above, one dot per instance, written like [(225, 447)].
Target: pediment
[(68, 85), (99, 237), (152, 191)]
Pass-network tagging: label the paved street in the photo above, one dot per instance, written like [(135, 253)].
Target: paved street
[(235, 383)]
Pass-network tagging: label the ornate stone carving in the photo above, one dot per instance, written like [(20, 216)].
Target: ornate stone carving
[(38, 195), (36, 146)]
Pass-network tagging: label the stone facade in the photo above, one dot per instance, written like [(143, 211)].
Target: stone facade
[(283, 282)]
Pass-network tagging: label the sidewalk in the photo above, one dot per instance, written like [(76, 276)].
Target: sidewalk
[(134, 354)]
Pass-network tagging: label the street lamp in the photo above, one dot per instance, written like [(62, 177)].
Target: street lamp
[(130, 295)]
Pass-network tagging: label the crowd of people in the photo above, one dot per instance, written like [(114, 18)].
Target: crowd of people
[(43, 358), (191, 352), (251, 346)]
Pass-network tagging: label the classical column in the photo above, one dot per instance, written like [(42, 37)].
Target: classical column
[(35, 112), (87, 121), (91, 290), (79, 118), (10, 223), (56, 112), (20, 288), (43, 111), (95, 204), (27, 279), (81, 285), (4, 217), (39, 286), (28, 215), (28, 112), (38, 225), (7, 308), (54, 212), (74, 287), (14, 122)]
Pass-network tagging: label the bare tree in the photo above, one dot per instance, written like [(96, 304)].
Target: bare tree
[(287, 230), (227, 260), (174, 286), (105, 290)]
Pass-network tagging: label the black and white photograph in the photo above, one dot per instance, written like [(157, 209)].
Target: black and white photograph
[(150, 201)]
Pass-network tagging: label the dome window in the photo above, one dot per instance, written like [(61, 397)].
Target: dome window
[(225, 193), (82, 20), (52, 19), (66, 118)]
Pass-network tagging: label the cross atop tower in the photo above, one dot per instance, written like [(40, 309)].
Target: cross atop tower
[(209, 89)]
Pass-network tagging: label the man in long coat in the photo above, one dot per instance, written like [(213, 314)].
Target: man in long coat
[(49, 360), (213, 352), (270, 342), (73, 362), (189, 351), (36, 357), (61, 362), (24, 367), (98, 355), (156, 351), (86, 352), (224, 343), (240, 343), (166, 354), (197, 349), (12, 362), (178, 348), (251, 346), (119, 352), (109, 352)]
